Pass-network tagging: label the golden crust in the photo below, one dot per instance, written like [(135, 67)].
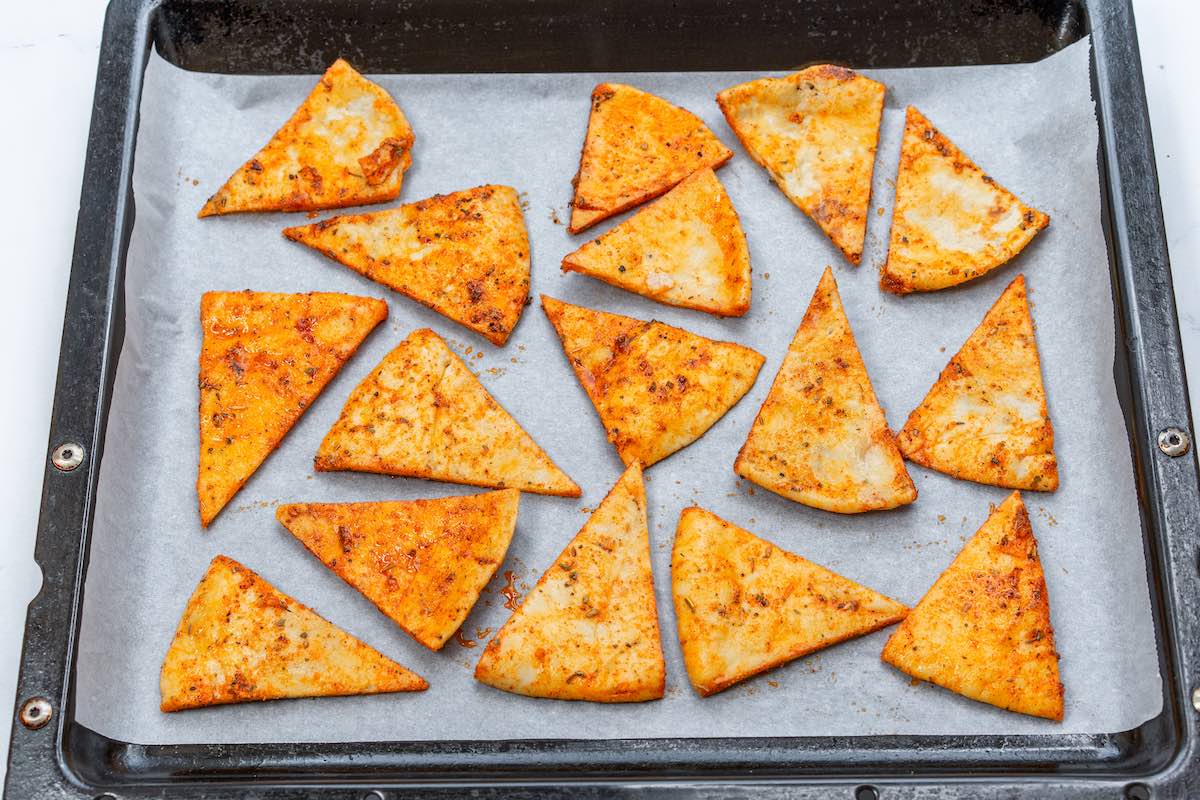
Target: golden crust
[(815, 132), (589, 629), (985, 419), (686, 249), (264, 359), (952, 221), (637, 147), (241, 639), (421, 562), (745, 606), (348, 144), (465, 255), (821, 438), (983, 630), (422, 414), (656, 388)]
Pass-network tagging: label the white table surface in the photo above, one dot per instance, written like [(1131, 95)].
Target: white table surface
[(49, 51)]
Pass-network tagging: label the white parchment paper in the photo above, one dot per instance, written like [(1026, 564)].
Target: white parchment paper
[(1031, 126)]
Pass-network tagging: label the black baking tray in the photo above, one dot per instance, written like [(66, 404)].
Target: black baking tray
[(1159, 759)]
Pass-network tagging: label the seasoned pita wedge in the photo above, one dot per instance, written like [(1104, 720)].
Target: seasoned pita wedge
[(952, 221), (745, 606), (264, 359), (985, 420), (422, 414), (637, 147), (465, 255), (589, 629), (348, 144), (816, 132), (686, 249), (421, 562), (242, 639), (983, 630), (656, 388), (820, 437)]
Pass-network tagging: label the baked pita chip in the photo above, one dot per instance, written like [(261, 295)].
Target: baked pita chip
[(745, 606), (656, 388), (983, 630), (686, 249), (242, 639), (348, 144), (637, 147), (816, 132), (952, 221), (422, 414), (263, 360), (985, 420), (465, 255), (821, 438), (421, 562), (589, 629)]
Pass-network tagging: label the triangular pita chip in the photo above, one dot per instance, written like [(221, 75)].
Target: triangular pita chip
[(589, 629), (985, 419), (242, 639), (686, 249), (656, 388), (745, 606), (983, 630), (637, 147), (348, 144), (264, 359), (465, 255), (422, 562), (952, 221), (422, 414), (816, 132), (821, 438)]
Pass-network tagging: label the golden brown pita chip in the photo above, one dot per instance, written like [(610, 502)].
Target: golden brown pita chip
[(465, 255), (264, 359), (422, 414), (985, 419), (983, 630), (686, 249), (348, 144), (421, 562), (820, 437), (637, 147), (656, 388), (816, 132), (952, 221), (589, 629), (745, 606), (242, 639)]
